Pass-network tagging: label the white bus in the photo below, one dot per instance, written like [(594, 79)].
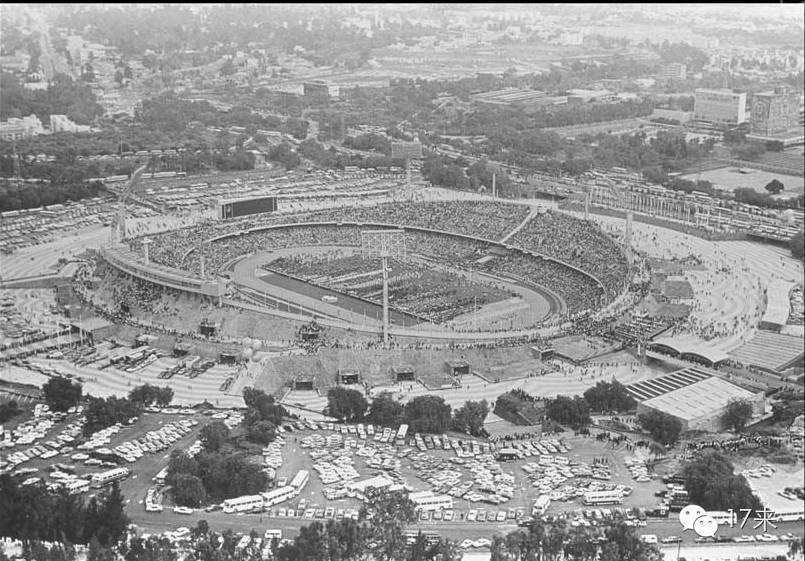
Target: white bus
[(76, 486), (273, 535), (386, 435), (278, 495), (300, 480), (106, 477), (402, 432), (722, 517), (541, 505), (426, 500), (792, 515), (603, 498), (242, 504)]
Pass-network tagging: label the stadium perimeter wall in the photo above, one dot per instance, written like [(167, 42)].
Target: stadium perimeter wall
[(127, 263)]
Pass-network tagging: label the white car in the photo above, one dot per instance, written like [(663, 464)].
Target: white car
[(182, 510)]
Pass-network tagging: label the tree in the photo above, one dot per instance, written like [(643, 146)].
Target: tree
[(147, 395), (180, 464), (214, 435), (9, 410), (774, 186), (389, 512), (61, 394), (262, 432), (662, 427), (737, 413), (385, 410), (346, 404), (264, 406), (111, 518), (427, 413), (470, 417), (188, 490), (101, 413), (573, 412), (712, 484), (609, 396)]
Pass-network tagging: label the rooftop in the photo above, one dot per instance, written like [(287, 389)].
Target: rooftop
[(698, 399)]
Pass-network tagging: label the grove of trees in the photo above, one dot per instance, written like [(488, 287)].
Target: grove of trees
[(346, 404), (711, 483), (609, 397), (662, 427), (737, 413), (32, 513), (573, 412), (61, 394)]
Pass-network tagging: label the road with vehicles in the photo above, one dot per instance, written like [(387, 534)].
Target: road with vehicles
[(456, 530)]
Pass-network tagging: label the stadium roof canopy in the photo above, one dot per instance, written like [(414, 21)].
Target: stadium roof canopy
[(689, 349), (698, 399)]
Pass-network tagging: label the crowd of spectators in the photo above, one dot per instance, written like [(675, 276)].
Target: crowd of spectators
[(735, 444), (579, 243), (557, 236)]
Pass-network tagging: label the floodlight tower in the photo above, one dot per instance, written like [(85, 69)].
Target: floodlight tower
[(383, 244), (628, 234)]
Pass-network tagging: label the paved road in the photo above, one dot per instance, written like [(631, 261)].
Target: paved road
[(455, 530)]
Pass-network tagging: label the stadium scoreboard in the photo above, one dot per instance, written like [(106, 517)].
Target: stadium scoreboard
[(235, 208)]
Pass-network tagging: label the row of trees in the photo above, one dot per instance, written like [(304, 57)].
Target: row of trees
[(32, 513), (552, 542), (22, 196), (377, 534), (604, 397), (61, 394), (426, 414)]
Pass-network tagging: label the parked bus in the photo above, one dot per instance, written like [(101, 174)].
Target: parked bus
[(402, 432), (76, 486), (426, 500), (279, 495), (722, 517), (541, 505), (793, 515), (300, 480), (243, 504), (107, 477), (603, 498)]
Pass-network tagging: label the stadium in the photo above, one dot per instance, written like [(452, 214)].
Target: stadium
[(458, 270)]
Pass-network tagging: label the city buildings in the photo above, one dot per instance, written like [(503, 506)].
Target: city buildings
[(61, 123), (775, 112), (719, 107), (401, 149), (587, 96), (16, 129), (673, 71), (316, 89)]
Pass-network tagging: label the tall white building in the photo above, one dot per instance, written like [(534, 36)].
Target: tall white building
[(719, 107)]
